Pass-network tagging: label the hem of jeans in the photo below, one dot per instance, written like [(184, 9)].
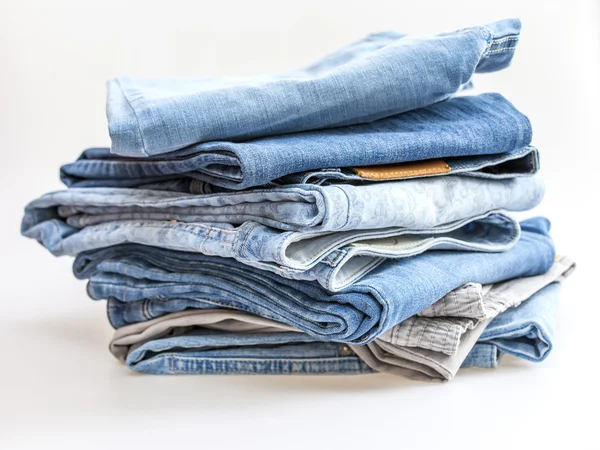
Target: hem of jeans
[(510, 40), (144, 149), (324, 255), (171, 359), (502, 158), (461, 245), (519, 332)]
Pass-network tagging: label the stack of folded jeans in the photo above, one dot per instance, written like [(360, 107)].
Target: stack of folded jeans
[(350, 217)]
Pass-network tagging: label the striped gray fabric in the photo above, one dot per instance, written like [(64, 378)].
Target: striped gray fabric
[(433, 344), (440, 326)]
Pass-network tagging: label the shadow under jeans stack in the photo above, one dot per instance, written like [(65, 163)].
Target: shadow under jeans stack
[(350, 217)]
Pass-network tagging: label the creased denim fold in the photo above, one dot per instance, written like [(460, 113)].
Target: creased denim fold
[(335, 260), (79, 219)]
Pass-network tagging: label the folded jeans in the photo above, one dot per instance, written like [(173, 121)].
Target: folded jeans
[(229, 342), (144, 286), (481, 136), (336, 260), (78, 219), (380, 76)]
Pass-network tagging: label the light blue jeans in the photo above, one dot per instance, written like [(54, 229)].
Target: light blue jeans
[(329, 226), (380, 76), (337, 260), (481, 136), (526, 332), (142, 286)]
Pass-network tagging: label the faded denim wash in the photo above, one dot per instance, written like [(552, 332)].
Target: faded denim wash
[(469, 134), (151, 287), (337, 260), (383, 75), (79, 219), (517, 163), (222, 341), (211, 353), (231, 342)]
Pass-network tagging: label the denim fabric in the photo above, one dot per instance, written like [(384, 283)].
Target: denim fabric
[(231, 321), (522, 162), (181, 323), (337, 260), (79, 219), (386, 296), (228, 342), (380, 76), (517, 163), (440, 326), (469, 133), (213, 353), (427, 356), (526, 332), (231, 342)]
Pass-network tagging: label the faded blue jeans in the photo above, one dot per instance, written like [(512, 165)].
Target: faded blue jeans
[(143, 286), (222, 341), (337, 260), (382, 75), (481, 136), (337, 233)]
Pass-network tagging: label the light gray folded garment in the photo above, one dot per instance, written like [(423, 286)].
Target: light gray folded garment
[(429, 346)]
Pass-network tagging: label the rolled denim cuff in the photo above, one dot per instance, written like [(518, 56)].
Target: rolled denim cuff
[(503, 40), (483, 355)]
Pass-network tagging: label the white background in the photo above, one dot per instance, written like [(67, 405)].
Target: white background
[(60, 387)]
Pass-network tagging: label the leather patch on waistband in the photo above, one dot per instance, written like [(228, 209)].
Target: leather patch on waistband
[(403, 170)]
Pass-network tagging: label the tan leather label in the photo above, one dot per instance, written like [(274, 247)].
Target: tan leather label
[(404, 170)]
